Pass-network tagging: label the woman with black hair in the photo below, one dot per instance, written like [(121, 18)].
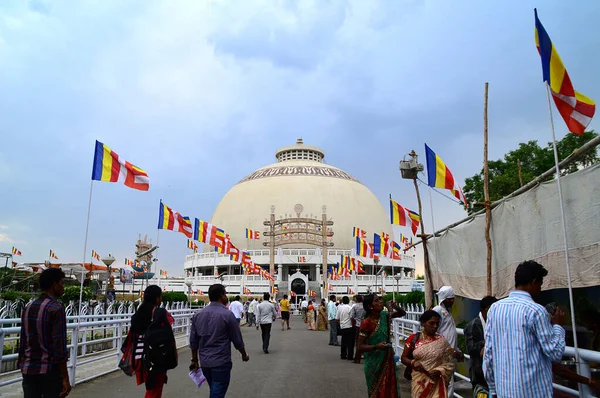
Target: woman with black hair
[(431, 359), (373, 341), (149, 312)]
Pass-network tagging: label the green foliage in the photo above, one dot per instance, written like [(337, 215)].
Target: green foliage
[(535, 160), (420, 277), (72, 294), (13, 295), (169, 297), (415, 297)]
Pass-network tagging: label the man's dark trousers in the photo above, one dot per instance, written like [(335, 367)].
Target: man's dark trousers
[(45, 385), (348, 343), (266, 335), (333, 330), (218, 379)]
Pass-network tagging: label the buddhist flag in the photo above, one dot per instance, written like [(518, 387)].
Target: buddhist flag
[(234, 254), (192, 245), (95, 255), (247, 291), (205, 232), (439, 175), (173, 221), (110, 168), (254, 235), (359, 233), (53, 255), (381, 246), (402, 216), (363, 248), (16, 252), (163, 273), (575, 108), (301, 259)]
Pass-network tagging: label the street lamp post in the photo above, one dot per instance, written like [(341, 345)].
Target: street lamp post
[(188, 283), (397, 278), (376, 263), (110, 282)]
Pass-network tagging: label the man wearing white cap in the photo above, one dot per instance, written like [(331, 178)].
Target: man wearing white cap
[(447, 327)]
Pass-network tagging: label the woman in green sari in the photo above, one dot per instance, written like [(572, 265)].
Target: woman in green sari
[(373, 338)]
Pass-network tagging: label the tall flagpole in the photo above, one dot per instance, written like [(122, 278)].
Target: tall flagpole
[(435, 249), (564, 228), (486, 193), (87, 226)]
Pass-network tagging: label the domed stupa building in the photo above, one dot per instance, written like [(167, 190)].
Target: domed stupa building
[(304, 211)]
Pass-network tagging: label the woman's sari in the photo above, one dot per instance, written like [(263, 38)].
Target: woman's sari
[(310, 318), (433, 354), (322, 318), (380, 369)]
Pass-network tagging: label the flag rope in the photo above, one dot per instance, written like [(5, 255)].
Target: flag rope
[(564, 228), (87, 227)]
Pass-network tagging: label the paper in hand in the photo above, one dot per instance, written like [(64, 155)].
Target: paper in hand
[(197, 377)]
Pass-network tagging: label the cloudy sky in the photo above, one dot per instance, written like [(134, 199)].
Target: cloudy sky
[(201, 93)]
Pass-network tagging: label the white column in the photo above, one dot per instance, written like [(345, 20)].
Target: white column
[(279, 273), (319, 278)]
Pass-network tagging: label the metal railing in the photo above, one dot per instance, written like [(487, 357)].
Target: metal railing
[(90, 338), (402, 328)]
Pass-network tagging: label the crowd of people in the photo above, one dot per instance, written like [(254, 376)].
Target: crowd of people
[(514, 344)]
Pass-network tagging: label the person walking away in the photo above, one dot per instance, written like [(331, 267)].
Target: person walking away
[(251, 309), (246, 305), (43, 351), (373, 340), (429, 359), (149, 324), (304, 309), (447, 326), (345, 324), (331, 317), (237, 309), (522, 339), (285, 312), (322, 316), (265, 316), (357, 313), (213, 331), (310, 316), (475, 342)]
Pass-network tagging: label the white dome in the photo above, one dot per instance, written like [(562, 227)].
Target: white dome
[(300, 177)]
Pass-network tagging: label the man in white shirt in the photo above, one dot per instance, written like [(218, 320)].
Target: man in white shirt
[(447, 326), (304, 308), (331, 317), (251, 309), (344, 321), (237, 309), (265, 316)]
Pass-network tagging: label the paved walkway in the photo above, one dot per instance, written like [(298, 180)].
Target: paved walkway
[(301, 364)]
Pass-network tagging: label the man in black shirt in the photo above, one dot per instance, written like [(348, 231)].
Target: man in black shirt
[(474, 335)]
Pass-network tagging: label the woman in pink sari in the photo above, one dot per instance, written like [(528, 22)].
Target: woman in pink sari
[(431, 358)]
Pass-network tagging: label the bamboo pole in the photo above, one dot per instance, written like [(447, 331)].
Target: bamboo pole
[(583, 150), (428, 280), (520, 172), (486, 193)]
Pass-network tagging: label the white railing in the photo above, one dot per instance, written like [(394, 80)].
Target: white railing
[(404, 327), (81, 331)]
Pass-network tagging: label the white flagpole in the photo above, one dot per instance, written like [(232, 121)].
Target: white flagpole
[(564, 228), (87, 226), (433, 226)]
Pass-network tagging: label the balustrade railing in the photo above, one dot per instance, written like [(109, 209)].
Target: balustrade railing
[(91, 337), (409, 324)]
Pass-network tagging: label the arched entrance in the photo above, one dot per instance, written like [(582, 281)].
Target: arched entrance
[(299, 287)]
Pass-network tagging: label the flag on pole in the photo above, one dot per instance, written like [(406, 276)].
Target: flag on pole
[(234, 253), (53, 255), (575, 108), (95, 255), (273, 290), (254, 235), (207, 233), (381, 246), (163, 273), (110, 168), (247, 291), (192, 245), (402, 216), (439, 175), (363, 248), (301, 259), (312, 293), (173, 221), (16, 251), (359, 233)]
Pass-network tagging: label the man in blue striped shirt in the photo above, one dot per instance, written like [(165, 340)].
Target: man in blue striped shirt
[(522, 340)]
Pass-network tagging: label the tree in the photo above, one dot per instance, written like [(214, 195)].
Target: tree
[(535, 160)]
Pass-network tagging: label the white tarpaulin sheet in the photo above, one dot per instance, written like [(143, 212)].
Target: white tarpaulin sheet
[(526, 227)]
